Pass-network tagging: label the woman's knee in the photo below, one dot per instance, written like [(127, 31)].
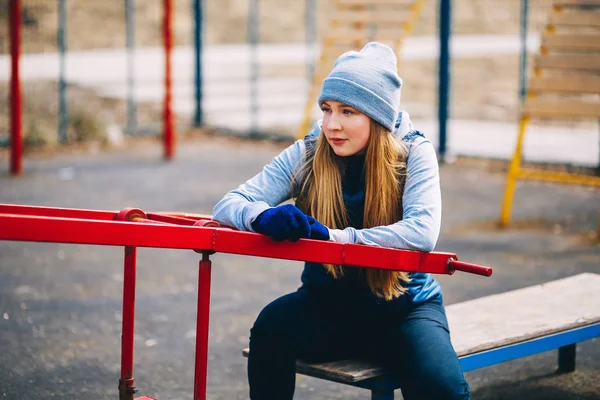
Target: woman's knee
[(450, 385), (268, 323), (437, 384), (435, 373), (279, 318), (428, 359)]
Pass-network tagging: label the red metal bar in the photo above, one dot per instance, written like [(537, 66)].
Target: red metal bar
[(148, 221), (110, 233), (163, 230), (171, 219), (64, 225), (202, 320), (169, 134), (185, 215), (126, 383), (56, 212), (178, 218), (16, 106), (118, 233), (468, 267)]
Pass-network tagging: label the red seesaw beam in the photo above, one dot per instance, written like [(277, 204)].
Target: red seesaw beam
[(61, 225), (133, 228)]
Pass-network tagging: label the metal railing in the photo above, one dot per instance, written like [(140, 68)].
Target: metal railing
[(133, 228)]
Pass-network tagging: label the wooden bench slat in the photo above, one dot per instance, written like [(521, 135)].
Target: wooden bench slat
[(571, 42), (524, 314), (576, 3), (345, 35), (567, 84), (375, 3), (342, 371), (575, 18), (560, 109), (370, 17), (494, 321), (584, 62), (361, 38)]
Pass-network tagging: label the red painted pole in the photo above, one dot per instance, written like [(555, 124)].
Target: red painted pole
[(126, 388), (456, 265), (16, 107), (202, 320), (168, 128)]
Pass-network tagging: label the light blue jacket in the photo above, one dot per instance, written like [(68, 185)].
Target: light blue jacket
[(422, 206)]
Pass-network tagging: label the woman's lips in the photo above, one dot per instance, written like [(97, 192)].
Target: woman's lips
[(337, 141)]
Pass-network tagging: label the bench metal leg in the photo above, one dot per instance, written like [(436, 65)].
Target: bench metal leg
[(382, 387), (566, 358), (386, 395)]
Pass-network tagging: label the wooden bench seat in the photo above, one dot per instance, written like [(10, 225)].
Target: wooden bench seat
[(494, 329)]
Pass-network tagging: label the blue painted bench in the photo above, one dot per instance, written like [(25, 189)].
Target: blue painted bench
[(494, 329)]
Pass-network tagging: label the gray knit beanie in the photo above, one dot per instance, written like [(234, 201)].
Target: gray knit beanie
[(368, 81)]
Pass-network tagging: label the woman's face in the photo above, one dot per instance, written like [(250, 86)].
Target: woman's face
[(347, 130)]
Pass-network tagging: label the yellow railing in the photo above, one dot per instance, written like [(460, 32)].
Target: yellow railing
[(569, 53)]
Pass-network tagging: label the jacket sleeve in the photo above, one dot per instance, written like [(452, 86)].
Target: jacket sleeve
[(421, 221), (240, 207)]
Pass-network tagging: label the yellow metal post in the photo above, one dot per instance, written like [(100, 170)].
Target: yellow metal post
[(513, 171), (408, 26)]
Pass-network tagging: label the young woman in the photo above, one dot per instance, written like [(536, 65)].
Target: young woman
[(363, 175)]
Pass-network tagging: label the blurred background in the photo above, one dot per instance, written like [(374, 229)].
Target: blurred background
[(257, 59), (94, 86)]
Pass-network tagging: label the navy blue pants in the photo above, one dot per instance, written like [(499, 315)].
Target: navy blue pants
[(414, 343)]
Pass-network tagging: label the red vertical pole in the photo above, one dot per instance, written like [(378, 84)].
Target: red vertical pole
[(126, 388), (16, 107), (202, 320), (168, 129)]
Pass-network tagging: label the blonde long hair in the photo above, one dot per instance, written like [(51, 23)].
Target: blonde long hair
[(320, 195)]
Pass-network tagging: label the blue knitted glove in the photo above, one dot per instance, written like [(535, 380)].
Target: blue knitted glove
[(318, 231), (285, 222)]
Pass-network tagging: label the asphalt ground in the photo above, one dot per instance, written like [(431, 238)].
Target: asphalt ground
[(60, 305)]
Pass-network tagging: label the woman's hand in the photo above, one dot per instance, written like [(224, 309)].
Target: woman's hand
[(287, 222), (318, 231)]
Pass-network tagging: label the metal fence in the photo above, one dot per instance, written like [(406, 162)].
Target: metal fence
[(269, 83), (91, 70), (95, 70)]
